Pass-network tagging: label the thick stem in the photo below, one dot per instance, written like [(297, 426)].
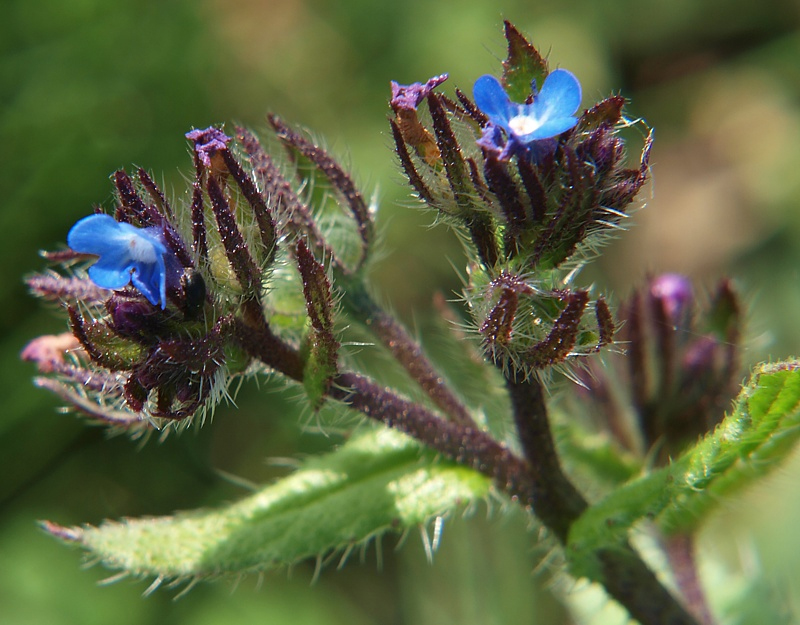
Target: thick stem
[(630, 581), (260, 342), (625, 576), (558, 504), (465, 444)]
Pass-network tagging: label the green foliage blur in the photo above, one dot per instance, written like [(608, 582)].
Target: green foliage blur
[(87, 87)]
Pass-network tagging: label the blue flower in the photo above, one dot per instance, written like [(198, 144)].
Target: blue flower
[(551, 112), (127, 255)]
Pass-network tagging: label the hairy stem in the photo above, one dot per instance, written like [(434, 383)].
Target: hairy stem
[(465, 444), (537, 483), (558, 504), (406, 351)]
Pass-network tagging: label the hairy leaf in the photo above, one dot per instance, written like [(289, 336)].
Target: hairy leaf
[(378, 481), (759, 432)]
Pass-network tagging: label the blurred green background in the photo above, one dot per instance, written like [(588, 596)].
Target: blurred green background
[(89, 86)]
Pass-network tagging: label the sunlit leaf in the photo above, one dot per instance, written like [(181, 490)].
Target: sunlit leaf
[(377, 482), (754, 438)]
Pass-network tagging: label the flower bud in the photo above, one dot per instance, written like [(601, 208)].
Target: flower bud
[(678, 370)]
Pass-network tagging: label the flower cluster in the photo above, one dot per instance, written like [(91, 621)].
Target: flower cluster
[(534, 186), (166, 308), (168, 305), (680, 368)]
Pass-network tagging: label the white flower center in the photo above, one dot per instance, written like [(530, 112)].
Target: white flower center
[(141, 250), (522, 125)]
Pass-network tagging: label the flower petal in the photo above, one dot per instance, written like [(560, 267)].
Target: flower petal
[(150, 280), (91, 234), (110, 276), (550, 128), (408, 97), (127, 255), (560, 95), (491, 98)]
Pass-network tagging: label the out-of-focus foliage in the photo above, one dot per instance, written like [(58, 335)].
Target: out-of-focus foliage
[(88, 87)]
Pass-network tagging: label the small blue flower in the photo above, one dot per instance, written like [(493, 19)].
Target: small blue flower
[(127, 255), (551, 112)]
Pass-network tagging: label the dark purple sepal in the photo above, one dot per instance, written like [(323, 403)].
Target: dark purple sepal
[(471, 109), (534, 190), (103, 345), (408, 166), (605, 323), (181, 372), (340, 180), (266, 223), (557, 346), (197, 210), (497, 327), (132, 208), (321, 364), (158, 198), (56, 288), (454, 164), (236, 250), (504, 188), (292, 213), (605, 113)]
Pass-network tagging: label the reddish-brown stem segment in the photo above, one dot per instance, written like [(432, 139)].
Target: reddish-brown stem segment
[(680, 553), (405, 350), (558, 504), (535, 486), (465, 444)]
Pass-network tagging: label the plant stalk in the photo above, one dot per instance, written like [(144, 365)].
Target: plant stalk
[(538, 483), (558, 504), (406, 351)]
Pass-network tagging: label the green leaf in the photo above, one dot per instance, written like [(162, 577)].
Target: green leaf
[(379, 481), (759, 433), (523, 66), (594, 455), (761, 430)]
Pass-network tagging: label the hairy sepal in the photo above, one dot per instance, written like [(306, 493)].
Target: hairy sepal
[(377, 482), (523, 66), (323, 348)]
